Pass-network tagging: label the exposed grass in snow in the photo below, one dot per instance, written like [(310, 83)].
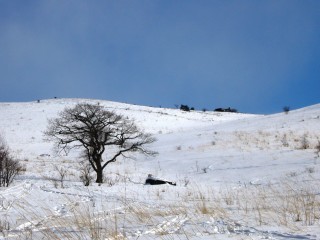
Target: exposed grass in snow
[(292, 205)]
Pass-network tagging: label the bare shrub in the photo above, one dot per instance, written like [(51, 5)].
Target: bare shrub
[(304, 143), (186, 181), (206, 169), (318, 149), (9, 167), (284, 141), (85, 174), (310, 170), (4, 227), (62, 174), (111, 181)]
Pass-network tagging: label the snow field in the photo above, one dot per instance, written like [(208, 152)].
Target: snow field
[(239, 176)]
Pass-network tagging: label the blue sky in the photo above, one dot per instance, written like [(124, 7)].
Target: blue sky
[(256, 56)]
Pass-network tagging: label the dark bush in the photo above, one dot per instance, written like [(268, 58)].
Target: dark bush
[(9, 167), (286, 109), (226, 110), (184, 108)]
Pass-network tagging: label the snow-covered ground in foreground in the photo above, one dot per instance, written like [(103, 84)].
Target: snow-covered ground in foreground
[(239, 176)]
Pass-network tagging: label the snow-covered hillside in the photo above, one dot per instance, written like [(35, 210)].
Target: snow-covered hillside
[(239, 176)]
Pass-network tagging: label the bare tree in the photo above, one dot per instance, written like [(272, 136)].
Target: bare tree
[(9, 167), (92, 128)]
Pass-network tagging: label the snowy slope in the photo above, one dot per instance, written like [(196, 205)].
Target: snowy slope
[(207, 153)]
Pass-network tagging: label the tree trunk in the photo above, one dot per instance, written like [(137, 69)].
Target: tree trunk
[(99, 169), (99, 176)]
